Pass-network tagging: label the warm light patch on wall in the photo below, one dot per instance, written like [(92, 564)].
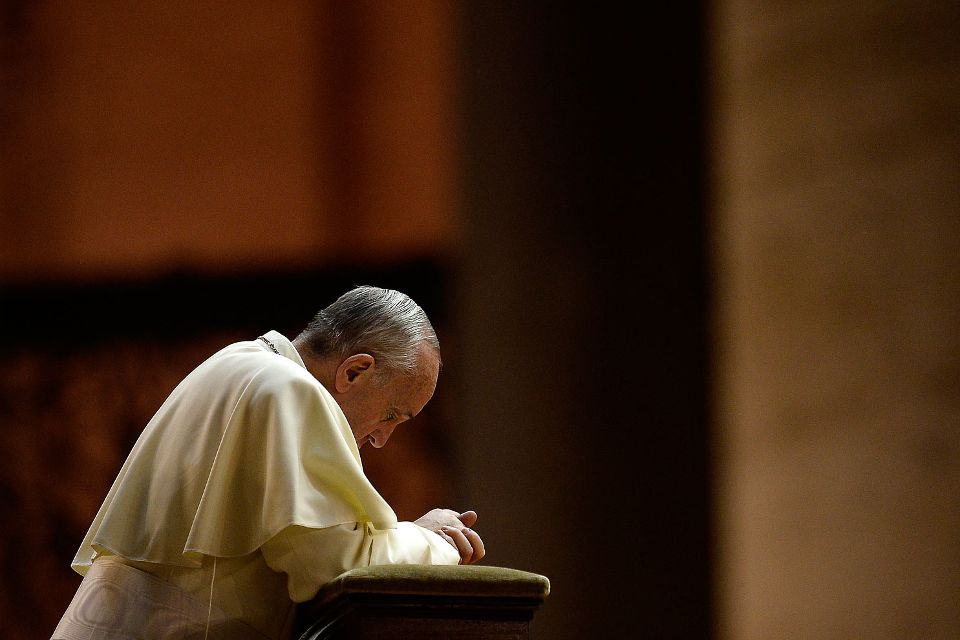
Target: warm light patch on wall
[(206, 137)]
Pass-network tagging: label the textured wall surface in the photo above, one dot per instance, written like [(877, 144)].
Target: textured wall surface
[(838, 270)]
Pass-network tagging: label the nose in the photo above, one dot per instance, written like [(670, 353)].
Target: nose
[(379, 437)]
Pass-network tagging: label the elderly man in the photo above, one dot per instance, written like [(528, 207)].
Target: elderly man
[(245, 492)]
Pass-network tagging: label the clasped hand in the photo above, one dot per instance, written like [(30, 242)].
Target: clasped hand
[(455, 529)]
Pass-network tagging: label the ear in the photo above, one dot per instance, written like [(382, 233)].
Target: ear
[(356, 368)]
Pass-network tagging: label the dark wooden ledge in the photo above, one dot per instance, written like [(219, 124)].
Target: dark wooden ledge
[(420, 601)]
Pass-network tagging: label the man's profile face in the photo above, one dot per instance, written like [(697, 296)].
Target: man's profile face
[(374, 407)]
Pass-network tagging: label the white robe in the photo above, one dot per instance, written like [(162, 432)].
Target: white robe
[(248, 471)]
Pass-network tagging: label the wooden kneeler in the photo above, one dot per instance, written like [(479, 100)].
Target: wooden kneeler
[(421, 601)]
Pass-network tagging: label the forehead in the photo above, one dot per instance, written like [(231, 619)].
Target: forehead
[(412, 392), (429, 361)]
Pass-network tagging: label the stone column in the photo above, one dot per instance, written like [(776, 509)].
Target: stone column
[(837, 235)]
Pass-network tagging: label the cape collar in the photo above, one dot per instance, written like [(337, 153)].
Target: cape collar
[(281, 345)]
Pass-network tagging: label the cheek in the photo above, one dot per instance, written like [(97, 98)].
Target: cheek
[(359, 420), (369, 421)]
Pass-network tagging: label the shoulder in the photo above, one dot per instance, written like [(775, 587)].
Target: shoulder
[(270, 376), (281, 392), (247, 368)]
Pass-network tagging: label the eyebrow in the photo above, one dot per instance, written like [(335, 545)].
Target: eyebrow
[(405, 414)]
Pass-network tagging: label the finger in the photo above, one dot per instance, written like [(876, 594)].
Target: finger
[(449, 540), (469, 518), (463, 545), (477, 543)]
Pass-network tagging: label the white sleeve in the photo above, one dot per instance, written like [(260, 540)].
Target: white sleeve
[(313, 557)]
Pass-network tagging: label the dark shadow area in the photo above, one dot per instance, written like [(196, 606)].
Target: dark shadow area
[(586, 375), (76, 315)]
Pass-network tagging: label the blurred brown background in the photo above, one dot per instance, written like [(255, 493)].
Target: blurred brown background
[(695, 271)]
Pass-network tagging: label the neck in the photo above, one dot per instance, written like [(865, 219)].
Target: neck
[(323, 369)]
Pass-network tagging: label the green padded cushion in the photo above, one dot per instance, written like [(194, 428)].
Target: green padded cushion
[(417, 579)]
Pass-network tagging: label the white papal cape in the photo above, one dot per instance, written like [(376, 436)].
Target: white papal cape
[(245, 493)]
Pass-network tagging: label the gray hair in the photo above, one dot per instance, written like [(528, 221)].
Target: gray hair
[(385, 323)]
